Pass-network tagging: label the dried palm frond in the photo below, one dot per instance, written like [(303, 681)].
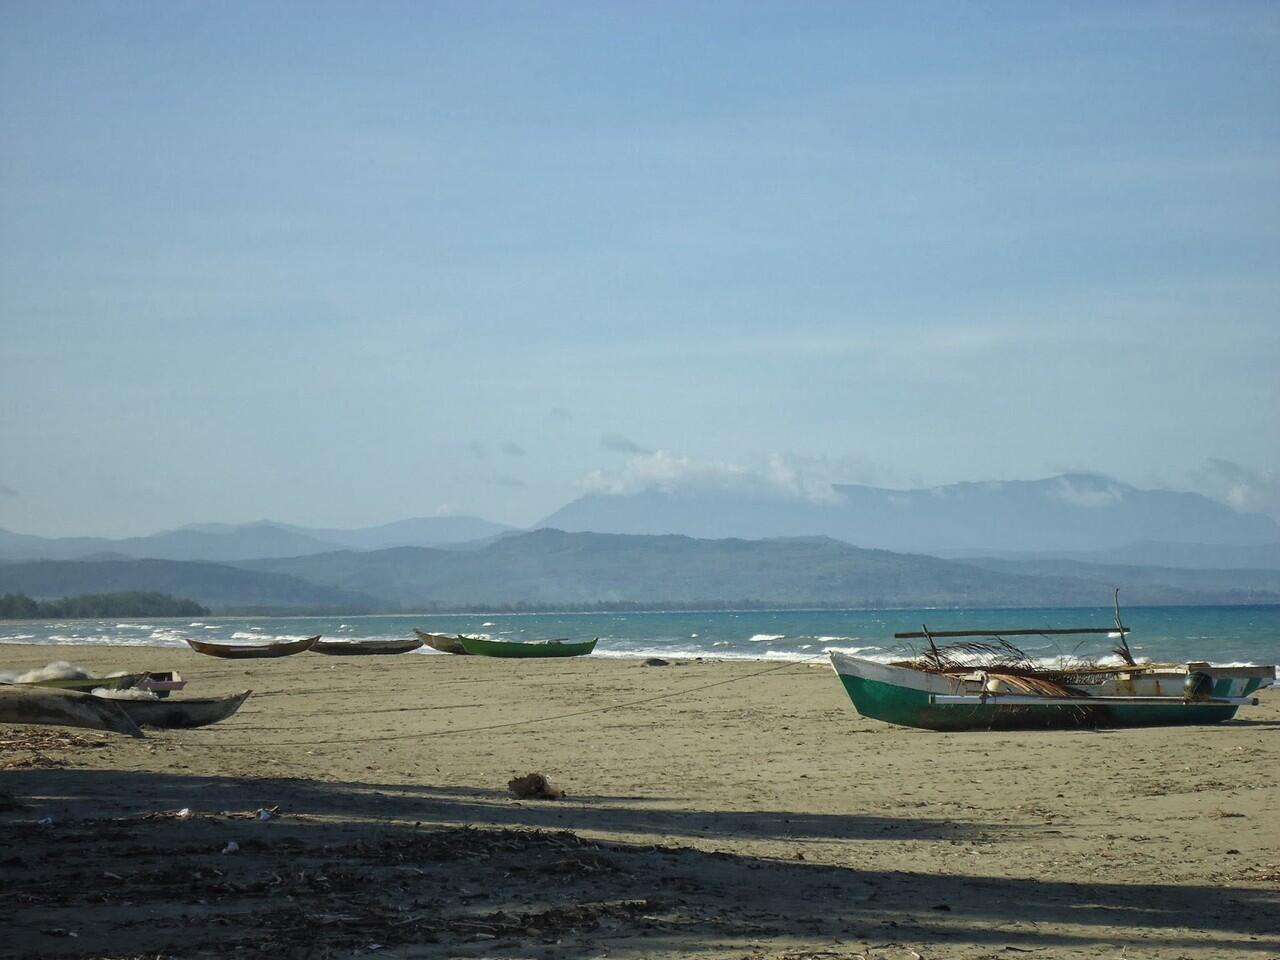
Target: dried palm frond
[(1040, 686), (999, 656)]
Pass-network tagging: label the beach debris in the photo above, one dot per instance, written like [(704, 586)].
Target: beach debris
[(183, 814), (231, 847), (45, 822), (534, 786), (263, 813), (657, 662), (132, 693), (57, 670)]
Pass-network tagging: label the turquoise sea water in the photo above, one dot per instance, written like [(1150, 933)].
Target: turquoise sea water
[(1219, 634)]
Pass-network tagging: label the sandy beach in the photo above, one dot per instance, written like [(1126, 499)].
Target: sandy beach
[(744, 811)]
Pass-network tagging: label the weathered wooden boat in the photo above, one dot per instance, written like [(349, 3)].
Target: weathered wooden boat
[(438, 641), (363, 648), (175, 714), (23, 703), (163, 683), (257, 651), (995, 699), (121, 681), (526, 648)]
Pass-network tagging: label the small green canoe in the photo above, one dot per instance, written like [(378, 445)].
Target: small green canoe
[(527, 648)]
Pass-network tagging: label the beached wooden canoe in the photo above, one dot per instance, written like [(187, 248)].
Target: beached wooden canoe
[(362, 648), (175, 714), (87, 684), (246, 651), (163, 683), (438, 641), (526, 648), (22, 703), (1146, 695)]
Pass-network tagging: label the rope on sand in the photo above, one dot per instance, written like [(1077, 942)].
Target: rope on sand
[(513, 723)]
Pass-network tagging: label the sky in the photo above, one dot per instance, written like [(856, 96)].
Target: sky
[(340, 264)]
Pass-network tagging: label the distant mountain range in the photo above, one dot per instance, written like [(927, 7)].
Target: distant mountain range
[(217, 586), (558, 570), (1074, 516), (222, 543), (1062, 541), (1072, 512), (1188, 556)]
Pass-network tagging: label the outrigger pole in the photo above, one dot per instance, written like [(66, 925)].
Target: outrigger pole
[(1123, 650)]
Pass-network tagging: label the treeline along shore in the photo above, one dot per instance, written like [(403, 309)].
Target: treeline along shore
[(18, 606)]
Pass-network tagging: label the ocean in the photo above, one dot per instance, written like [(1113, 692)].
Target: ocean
[(1235, 634)]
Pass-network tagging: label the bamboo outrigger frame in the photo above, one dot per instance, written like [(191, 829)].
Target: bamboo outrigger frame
[(1120, 631)]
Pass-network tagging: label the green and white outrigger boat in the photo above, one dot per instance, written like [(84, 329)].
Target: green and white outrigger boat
[(993, 686)]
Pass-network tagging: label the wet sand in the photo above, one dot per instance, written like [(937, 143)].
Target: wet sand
[(756, 818)]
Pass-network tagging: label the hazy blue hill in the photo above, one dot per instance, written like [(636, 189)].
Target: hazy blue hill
[(1204, 556), (552, 567), (238, 543), (1073, 512), (416, 532), (1261, 586), (214, 585), (226, 542), (21, 546)]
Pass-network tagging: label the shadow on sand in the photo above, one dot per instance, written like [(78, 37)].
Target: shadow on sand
[(342, 866)]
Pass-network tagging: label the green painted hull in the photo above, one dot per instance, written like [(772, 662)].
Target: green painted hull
[(526, 650), (912, 708)]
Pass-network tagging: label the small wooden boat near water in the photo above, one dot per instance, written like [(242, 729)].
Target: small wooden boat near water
[(438, 641), (246, 651), (162, 684), (360, 648), (526, 648), (22, 703), (184, 713), (123, 681)]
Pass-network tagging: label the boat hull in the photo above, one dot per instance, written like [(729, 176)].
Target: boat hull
[(89, 684), (234, 651), (21, 703), (907, 697), (183, 714), (365, 648), (526, 650), (438, 641)]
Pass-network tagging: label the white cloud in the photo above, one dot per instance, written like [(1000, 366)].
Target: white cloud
[(1245, 489), (1087, 492), (776, 477)]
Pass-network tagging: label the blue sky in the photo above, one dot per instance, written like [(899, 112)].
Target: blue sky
[(345, 263)]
